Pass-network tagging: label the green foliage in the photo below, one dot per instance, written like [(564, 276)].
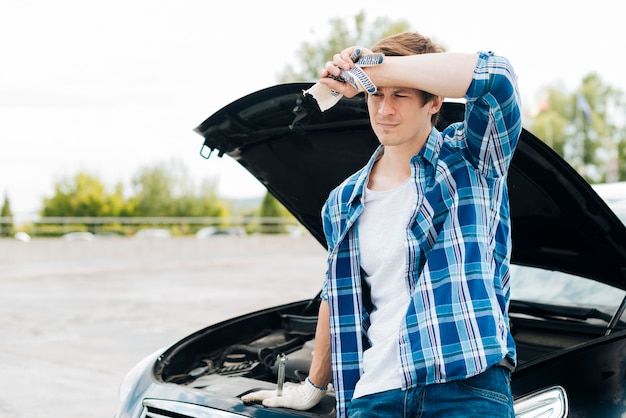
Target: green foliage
[(584, 127), (621, 157), (5, 210), (154, 189), (204, 203), (83, 195), (551, 121), (166, 189), (271, 208), (342, 33), (6, 228)]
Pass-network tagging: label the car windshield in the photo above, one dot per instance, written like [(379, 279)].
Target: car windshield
[(620, 211), (614, 194), (557, 288), (554, 293)]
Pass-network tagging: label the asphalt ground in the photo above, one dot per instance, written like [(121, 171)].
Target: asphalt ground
[(75, 317)]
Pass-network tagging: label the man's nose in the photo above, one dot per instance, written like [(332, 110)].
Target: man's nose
[(385, 107)]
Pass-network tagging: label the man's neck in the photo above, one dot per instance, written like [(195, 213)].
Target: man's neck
[(390, 171)]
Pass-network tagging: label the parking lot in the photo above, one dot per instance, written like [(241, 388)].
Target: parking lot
[(76, 316)]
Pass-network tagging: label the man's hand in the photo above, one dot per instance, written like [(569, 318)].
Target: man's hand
[(296, 396), (344, 76), (344, 73)]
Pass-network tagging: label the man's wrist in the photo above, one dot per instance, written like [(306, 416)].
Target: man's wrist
[(310, 382)]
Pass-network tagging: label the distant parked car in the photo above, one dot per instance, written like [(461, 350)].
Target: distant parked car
[(568, 278), (210, 231), (153, 233), (22, 236), (79, 236)]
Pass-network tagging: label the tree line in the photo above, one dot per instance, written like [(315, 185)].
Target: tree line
[(162, 190)]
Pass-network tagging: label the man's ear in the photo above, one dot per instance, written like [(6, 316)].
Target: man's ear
[(436, 103)]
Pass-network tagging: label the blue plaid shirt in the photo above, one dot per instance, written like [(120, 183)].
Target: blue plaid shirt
[(459, 247)]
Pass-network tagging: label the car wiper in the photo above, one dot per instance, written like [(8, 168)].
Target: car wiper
[(616, 317), (545, 310)]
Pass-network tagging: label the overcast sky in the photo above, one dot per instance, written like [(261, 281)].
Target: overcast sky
[(110, 86)]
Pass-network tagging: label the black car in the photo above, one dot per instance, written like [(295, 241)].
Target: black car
[(568, 273)]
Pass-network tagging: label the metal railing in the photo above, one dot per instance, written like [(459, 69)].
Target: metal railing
[(127, 226)]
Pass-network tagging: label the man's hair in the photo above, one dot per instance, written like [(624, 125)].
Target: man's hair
[(409, 43), (406, 43)]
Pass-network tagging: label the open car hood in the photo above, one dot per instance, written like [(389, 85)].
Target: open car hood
[(300, 154)]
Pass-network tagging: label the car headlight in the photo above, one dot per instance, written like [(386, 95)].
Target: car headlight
[(546, 403)]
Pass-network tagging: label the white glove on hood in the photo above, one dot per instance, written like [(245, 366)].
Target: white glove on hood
[(295, 396)]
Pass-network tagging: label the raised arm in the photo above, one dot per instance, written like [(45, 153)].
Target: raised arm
[(441, 74)]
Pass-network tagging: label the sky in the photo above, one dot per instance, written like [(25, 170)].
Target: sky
[(109, 87)]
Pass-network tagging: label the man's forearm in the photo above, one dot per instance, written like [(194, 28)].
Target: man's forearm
[(320, 372), (441, 74)]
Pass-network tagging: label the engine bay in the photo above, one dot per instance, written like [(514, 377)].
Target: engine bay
[(206, 361), (241, 355)]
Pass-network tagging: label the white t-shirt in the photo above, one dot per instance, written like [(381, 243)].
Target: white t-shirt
[(383, 251)]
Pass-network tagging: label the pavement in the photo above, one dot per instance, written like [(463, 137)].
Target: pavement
[(76, 316)]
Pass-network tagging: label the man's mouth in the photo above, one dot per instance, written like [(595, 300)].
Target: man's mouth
[(387, 125)]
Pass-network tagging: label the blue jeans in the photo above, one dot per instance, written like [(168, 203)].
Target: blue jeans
[(485, 395)]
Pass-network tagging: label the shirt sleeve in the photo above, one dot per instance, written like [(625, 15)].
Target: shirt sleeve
[(493, 116), (326, 223)]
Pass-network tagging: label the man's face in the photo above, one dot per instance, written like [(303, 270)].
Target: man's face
[(399, 116)]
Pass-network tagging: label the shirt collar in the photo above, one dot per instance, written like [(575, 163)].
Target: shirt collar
[(363, 176), (430, 150)]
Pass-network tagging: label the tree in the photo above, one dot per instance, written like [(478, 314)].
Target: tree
[(621, 156), (166, 189), (6, 228), (342, 33), (583, 127), (550, 122), (203, 203), (271, 208), (83, 195), (154, 188)]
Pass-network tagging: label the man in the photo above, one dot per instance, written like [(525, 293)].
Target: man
[(414, 316)]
